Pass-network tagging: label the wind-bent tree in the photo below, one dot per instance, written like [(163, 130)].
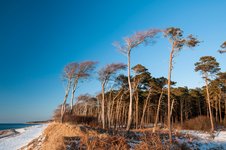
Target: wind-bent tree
[(177, 41), (208, 66), (82, 71), (106, 74), (129, 44), (69, 71), (223, 48)]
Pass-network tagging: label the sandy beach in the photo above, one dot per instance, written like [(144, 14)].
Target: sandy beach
[(15, 139)]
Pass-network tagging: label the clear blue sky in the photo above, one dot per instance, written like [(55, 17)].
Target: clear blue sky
[(39, 37)]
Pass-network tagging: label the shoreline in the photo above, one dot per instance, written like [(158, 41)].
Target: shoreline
[(8, 133), (18, 138)]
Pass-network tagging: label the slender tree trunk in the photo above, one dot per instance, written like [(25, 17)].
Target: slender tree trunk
[(63, 107), (208, 100), (137, 109), (216, 108), (169, 89), (157, 114), (181, 112), (224, 108), (109, 109), (130, 96), (102, 106), (200, 111), (220, 107), (112, 108), (171, 110), (144, 109), (117, 111), (207, 111), (73, 92)]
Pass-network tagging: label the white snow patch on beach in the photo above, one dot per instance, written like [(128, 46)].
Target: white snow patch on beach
[(25, 136), (21, 130), (205, 141)]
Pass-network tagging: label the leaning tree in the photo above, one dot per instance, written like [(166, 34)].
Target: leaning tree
[(208, 66), (129, 44), (68, 74), (177, 41), (74, 72), (105, 75), (82, 72)]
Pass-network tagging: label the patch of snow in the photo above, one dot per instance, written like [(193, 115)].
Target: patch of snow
[(204, 140), (21, 130), (25, 136)]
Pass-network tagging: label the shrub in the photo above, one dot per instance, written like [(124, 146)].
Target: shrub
[(198, 123), (79, 119), (72, 118)]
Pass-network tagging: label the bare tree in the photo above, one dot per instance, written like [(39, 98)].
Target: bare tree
[(105, 74), (68, 75), (177, 41), (74, 72), (83, 71), (129, 44)]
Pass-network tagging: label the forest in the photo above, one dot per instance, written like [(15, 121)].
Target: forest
[(138, 100)]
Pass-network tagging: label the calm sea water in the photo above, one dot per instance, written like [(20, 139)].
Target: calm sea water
[(5, 126)]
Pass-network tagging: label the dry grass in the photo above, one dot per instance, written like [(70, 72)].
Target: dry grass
[(55, 134), (157, 141), (199, 123), (61, 136)]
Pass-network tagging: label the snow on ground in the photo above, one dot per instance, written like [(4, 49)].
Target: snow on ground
[(25, 136), (204, 140)]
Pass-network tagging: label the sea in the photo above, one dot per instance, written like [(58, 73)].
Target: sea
[(6, 126)]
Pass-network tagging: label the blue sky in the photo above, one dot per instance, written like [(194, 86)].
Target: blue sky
[(38, 38)]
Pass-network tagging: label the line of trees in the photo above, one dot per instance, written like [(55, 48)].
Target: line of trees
[(138, 99)]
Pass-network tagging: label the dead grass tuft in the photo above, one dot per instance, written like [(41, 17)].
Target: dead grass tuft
[(152, 141), (55, 133), (199, 123)]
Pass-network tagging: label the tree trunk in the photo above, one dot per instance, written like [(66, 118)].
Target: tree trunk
[(208, 100), (220, 106), (224, 108), (137, 108), (169, 88), (144, 109), (63, 107), (216, 108), (73, 92), (157, 114), (102, 106), (130, 96), (108, 110), (112, 108), (200, 111), (171, 110), (181, 112)]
